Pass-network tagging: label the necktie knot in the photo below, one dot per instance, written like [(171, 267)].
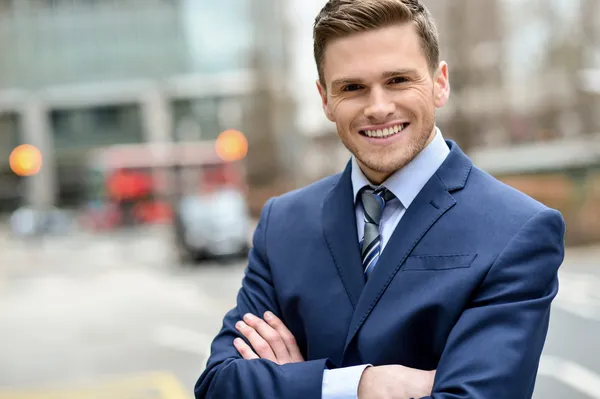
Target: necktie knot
[(373, 201)]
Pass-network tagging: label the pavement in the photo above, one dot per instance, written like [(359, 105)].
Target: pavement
[(114, 316), (570, 366)]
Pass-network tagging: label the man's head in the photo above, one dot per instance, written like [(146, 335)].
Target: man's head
[(380, 75)]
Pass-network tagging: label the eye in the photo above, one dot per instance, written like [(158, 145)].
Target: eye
[(352, 87), (398, 80)]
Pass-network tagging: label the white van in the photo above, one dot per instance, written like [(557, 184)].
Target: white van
[(213, 225)]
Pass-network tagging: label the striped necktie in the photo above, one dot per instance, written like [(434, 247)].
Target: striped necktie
[(373, 202)]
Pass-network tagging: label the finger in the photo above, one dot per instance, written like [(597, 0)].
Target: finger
[(270, 335), (288, 338), (260, 346), (242, 347)]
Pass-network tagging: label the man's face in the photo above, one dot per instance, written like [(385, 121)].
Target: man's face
[(381, 96)]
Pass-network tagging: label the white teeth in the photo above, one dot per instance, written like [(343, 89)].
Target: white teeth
[(384, 132)]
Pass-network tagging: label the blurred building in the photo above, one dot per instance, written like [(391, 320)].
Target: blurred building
[(81, 74)]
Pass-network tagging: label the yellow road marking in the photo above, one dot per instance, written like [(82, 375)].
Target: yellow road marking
[(157, 385)]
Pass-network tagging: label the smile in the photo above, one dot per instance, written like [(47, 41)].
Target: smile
[(384, 133)]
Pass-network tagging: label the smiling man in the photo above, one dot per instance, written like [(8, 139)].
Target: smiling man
[(411, 274)]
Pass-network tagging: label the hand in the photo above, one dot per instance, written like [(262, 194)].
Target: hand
[(395, 382), (270, 340)]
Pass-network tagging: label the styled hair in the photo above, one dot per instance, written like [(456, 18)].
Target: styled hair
[(340, 18)]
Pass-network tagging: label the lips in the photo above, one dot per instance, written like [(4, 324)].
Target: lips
[(386, 132)]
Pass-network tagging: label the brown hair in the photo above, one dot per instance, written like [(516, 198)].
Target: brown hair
[(340, 18)]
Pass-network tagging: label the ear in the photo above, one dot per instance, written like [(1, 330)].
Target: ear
[(323, 93), (441, 85)]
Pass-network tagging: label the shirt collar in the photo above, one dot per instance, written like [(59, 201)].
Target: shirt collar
[(406, 183)]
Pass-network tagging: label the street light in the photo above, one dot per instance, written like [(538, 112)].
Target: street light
[(25, 160), (231, 145)]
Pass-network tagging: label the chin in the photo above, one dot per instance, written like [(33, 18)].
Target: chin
[(388, 159), (385, 164)]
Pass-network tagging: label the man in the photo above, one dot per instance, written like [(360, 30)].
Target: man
[(412, 274)]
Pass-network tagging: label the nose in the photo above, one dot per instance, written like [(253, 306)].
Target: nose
[(380, 106)]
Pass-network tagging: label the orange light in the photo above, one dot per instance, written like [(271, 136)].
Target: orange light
[(25, 160), (232, 145)]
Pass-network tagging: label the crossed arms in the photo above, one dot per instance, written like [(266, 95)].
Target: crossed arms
[(492, 351)]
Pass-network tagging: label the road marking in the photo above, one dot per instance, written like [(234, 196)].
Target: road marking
[(171, 387), (571, 374), (579, 294), (157, 385), (184, 340)]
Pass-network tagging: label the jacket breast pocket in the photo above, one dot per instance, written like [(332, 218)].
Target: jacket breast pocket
[(438, 262)]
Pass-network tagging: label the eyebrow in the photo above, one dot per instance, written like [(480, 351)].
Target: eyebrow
[(385, 75), (402, 71)]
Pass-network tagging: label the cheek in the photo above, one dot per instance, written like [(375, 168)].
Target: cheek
[(417, 100), (336, 108), (346, 112)]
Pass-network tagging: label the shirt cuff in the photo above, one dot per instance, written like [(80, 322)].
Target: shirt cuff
[(342, 383)]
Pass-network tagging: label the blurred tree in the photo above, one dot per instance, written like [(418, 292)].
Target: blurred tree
[(474, 40), (561, 63), (269, 115), (263, 159), (589, 102), (458, 126)]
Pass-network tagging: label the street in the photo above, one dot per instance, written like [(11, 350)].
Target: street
[(99, 317)]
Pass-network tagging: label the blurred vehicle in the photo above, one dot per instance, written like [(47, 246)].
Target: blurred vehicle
[(27, 221), (212, 225), (188, 184)]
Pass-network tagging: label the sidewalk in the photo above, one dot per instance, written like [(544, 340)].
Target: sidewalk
[(82, 250)]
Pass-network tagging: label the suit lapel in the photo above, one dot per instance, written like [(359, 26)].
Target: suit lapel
[(430, 204), (339, 226)]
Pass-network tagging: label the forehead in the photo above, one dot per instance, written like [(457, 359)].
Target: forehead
[(363, 54)]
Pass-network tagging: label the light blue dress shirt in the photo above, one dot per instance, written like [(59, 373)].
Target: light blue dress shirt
[(406, 184)]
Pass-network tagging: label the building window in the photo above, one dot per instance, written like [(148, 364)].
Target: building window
[(76, 131), (99, 126), (196, 119)]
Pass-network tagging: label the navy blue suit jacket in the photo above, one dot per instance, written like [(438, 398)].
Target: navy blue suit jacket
[(464, 286)]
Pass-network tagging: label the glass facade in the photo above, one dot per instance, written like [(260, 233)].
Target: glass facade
[(90, 127), (218, 34), (52, 42)]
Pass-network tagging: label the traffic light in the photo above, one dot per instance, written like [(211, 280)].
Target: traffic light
[(25, 160), (231, 145)]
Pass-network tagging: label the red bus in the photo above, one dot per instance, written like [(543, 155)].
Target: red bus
[(139, 183)]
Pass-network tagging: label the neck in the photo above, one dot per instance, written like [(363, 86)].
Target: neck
[(376, 178)]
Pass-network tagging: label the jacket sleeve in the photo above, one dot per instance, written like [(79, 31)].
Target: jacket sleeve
[(227, 374), (494, 349)]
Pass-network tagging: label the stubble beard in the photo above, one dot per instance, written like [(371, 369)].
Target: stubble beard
[(389, 160)]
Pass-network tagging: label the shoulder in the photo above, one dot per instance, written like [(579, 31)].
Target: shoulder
[(295, 210), (301, 201), (495, 195), (492, 206), (505, 226), (525, 236), (310, 196)]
